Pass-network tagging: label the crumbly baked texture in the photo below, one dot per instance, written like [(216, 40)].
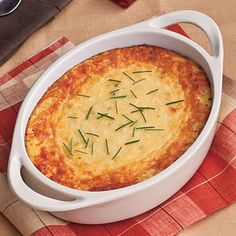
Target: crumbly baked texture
[(118, 118)]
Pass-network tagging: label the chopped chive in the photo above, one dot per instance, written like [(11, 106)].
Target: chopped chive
[(104, 115), (116, 107), (71, 143), (142, 108), (117, 153), (142, 71), (73, 117), (133, 131), (114, 80), (68, 149), (107, 148), (87, 143), (81, 151), (89, 111), (116, 97), (82, 95), (138, 81), (82, 136), (92, 134), (133, 93), (147, 108), (133, 123), (141, 112), (152, 91), (113, 91), (129, 77), (144, 118), (170, 103), (122, 126), (134, 141), (127, 117), (92, 149), (136, 111), (154, 129), (133, 105), (146, 127)]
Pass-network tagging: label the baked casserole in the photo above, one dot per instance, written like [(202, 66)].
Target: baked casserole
[(118, 118)]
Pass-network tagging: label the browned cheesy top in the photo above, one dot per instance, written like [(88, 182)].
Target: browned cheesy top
[(118, 118)]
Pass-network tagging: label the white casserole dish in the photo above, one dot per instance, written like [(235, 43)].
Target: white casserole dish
[(38, 191)]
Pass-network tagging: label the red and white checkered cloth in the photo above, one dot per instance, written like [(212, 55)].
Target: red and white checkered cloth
[(213, 186)]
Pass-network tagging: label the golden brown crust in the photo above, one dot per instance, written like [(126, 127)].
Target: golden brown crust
[(44, 133)]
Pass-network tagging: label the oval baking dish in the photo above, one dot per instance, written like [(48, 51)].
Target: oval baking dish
[(38, 191)]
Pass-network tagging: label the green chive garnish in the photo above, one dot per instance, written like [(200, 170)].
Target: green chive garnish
[(147, 108), (144, 118), (152, 91), (82, 95), (170, 103), (139, 110), (134, 141), (82, 136), (92, 149), (89, 111), (133, 105), (87, 143), (104, 115), (129, 77), (142, 71), (107, 148), (73, 117), (68, 149), (136, 111), (114, 80), (127, 117), (142, 108), (113, 91), (117, 97), (133, 131), (133, 93), (138, 81), (71, 143), (122, 126), (146, 127), (81, 151), (92, 134), (117, 153), (133, 123), (116, 107)]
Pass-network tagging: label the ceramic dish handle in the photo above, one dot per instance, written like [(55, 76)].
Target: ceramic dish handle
[(31, 197), (199, 19)]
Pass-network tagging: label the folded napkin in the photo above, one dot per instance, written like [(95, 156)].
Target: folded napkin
[(212, 187), (16, 27)]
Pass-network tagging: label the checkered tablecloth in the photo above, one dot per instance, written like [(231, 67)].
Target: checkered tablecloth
[(212, 187)]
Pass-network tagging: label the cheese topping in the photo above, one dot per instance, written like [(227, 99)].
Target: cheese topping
[(115, 119)]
